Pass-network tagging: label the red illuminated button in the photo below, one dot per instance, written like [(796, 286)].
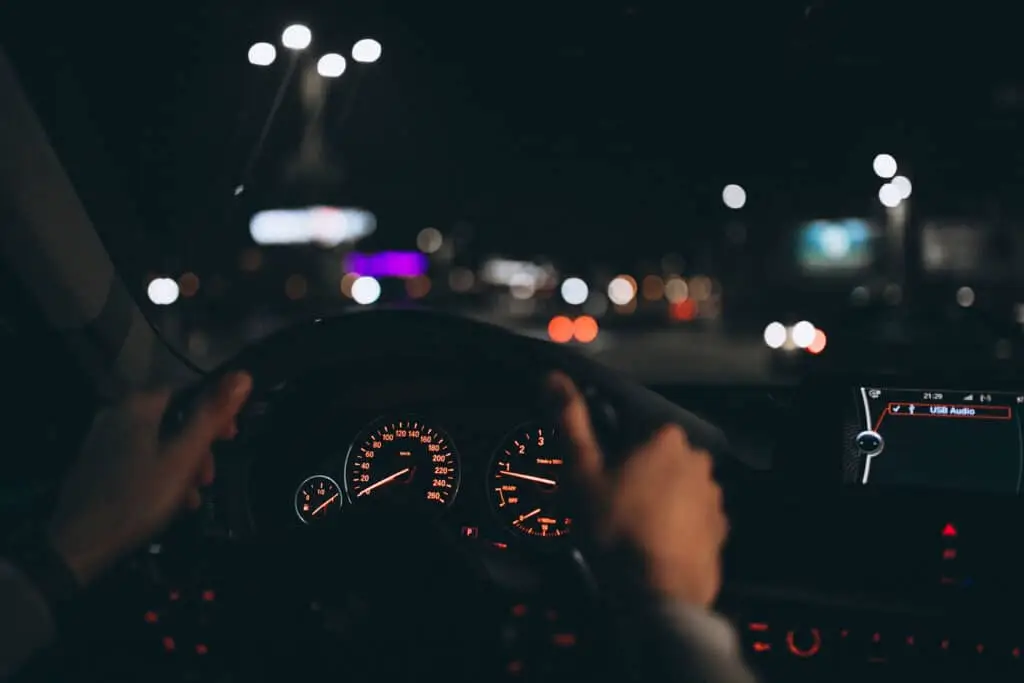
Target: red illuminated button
[(804, 643), (949, 531)]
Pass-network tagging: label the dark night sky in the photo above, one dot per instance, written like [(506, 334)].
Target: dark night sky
[(547, 128)]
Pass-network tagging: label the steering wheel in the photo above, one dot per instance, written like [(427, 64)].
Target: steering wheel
[(421, 601)]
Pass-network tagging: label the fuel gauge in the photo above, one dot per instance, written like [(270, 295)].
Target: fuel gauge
[(317, 498)]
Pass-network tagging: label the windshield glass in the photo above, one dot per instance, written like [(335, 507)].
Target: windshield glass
[(672, 189)]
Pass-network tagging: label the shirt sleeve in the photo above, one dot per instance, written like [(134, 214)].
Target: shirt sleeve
[(26, 625), (710, 644)]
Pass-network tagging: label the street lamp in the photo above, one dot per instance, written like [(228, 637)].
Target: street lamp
[(366, 51), (296, 37), (262, 54), (331, 65)]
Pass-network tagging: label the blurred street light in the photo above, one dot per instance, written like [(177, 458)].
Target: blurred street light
[(803, 334), (331, 65), (262, 54), (902, 185), (575, 291), (429, 240), (621, 291), (296, 37), (163, 291), (889, 195), (775, 335), (365, 290), (734, 196), (884, 166), (366, 51)]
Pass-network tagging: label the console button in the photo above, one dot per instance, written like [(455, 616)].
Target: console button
[(804, 643)]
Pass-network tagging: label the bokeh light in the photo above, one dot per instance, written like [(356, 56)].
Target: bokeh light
[(331, 65), (366, 51), (365, 290), (296, 37), (262, 54)]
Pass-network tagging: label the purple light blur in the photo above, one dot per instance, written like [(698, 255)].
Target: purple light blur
[(387, 264)]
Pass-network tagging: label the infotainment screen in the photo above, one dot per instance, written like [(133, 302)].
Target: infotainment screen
[(927, 438)]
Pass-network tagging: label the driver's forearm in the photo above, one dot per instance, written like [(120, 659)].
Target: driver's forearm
[(26, 626)]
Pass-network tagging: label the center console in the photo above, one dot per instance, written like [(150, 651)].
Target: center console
[(891, 541)]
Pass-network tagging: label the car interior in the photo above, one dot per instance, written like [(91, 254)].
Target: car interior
[(391, 506)]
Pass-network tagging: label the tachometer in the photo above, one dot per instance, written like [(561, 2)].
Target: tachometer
[(525, 483), (405, 457)]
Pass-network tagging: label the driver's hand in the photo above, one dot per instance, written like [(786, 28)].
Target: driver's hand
[(127, 484), (663, 502)]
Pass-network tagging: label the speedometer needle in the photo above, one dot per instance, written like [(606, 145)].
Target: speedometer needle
[(324, 504), (386, 480), (529, 477)]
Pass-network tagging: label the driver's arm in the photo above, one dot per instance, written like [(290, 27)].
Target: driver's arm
[(125, 486), (659, 528), (25, 622)]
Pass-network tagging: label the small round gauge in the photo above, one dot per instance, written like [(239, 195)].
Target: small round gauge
[(404, 457), (525, 483), (317, 498)]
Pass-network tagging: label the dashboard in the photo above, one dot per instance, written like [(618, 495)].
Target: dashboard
[(874, 522), (871, 523)]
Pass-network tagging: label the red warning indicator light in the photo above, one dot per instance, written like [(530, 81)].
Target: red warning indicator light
[(949, 531)]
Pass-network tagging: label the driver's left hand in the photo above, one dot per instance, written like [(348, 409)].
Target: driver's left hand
[(127, 483)]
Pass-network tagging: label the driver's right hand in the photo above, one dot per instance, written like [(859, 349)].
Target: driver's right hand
[(663, 502)]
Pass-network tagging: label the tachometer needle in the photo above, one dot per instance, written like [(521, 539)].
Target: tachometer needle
[(386, 480), (324, 504), (528, 515), (529, 477)]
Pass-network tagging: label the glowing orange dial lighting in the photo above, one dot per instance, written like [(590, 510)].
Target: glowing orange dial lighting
[(525, 483), (403, 457), (317, 498)]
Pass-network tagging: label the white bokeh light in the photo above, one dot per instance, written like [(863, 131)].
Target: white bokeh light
[(366, 51), (575, 291), (734, 196), (803, 334), (262, 54), (965, 297), (835, 242), (522, 286), (903, 186), (163, 291), (775, 335), (620, 291), (296, 37), (365, 290), (884, 166), (429, 240), (889, 195), (331, 65)]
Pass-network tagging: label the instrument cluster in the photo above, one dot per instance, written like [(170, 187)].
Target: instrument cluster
[(488, 482)]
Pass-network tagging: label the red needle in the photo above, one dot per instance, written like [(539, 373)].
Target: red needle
[(324, 504), (528, 515), (386, 480), (529, 477)]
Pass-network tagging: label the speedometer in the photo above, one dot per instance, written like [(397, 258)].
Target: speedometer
[(406, 458)]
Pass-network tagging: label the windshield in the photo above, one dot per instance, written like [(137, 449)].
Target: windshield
[(732, 191)]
